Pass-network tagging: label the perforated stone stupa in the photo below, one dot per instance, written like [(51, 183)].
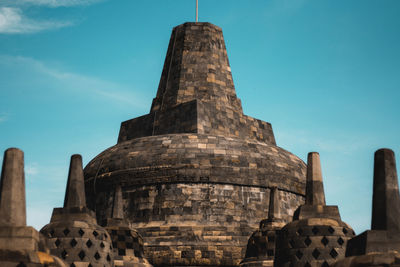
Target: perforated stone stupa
[(195, 173), (317, 236), (73, 233)]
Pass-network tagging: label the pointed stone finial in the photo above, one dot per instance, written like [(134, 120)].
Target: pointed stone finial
[(315, 194), (274, 211), (386, 200), (75, 193), (117, 212), (12, 189)]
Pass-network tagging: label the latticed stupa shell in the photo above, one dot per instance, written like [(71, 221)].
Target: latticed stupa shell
[(195, 172), (127, 242), (313, 242), (127, 247), (317, 236), (73, 233), (260, 249), (79, 242)]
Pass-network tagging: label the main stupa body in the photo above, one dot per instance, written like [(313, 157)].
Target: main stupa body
[(195, 172)]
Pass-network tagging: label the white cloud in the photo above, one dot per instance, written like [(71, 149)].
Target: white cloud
[(13, 21), (69, 81), (31, 169), (50, 3)]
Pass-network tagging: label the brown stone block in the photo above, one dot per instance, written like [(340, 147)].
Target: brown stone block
[(19, 238)]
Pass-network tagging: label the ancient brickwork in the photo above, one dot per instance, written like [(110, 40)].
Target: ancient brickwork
[(196, 92), (195, 172), (79, 243), (196, 67), (213, 219), (312, 242), (197, 117), (73, 233), (126, 241), (198, 158), (260, 249)]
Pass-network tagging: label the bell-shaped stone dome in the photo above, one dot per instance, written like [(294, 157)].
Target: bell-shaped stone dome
[(73, 233), (127, 242), (260, 249), (317, 236), (195, 172)]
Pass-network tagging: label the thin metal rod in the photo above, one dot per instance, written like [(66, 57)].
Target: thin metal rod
[(197, 10)]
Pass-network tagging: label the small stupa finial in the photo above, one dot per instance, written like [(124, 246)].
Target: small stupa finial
[(117, 212), (75, 193), (274, 211), (12, 189), (315, 194), (385, 200)]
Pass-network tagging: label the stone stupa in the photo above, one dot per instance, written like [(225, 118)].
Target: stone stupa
[(73, 233), (260, 251), (317, 237), (196, 173), (20, 245), (379, 246), (127, 242)]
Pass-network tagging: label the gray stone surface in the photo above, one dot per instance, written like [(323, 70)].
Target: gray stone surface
[(317, 236), (12, 189), (73, 234), (196, 91), (75, 192), (314, 187), (385, 199), (379, 246), (19, 244), (195, 172), (274, 212), (260, 249), (127, 242)]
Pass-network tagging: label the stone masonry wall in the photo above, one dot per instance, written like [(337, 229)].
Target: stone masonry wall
[(198, 117), (195, 172), (196, 67), (211, 221)]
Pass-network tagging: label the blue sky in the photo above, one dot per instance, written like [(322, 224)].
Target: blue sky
[(326, 74)]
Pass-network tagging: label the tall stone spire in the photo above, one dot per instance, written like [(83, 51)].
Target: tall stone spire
[(196, 92), (196, 68), (194, 136), (73, 233), (380, 245), (75, 193), (274, 210), (317, 236), (12, 189), (386, 200), (19, 243), (315, 194), (117, 212)]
